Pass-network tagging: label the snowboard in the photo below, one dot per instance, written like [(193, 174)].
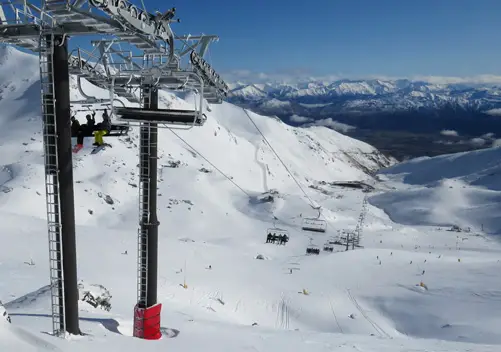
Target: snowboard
[(99, 148)]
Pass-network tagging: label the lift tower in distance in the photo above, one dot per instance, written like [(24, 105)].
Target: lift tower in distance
[(44, 27)]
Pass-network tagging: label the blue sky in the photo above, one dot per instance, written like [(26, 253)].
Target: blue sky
[(350, 37), (346, 38)]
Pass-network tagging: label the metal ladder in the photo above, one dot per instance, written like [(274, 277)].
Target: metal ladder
[(144, 214), (52, 184)]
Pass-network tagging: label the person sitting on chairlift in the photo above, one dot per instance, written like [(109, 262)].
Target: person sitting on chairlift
[(99, 132), (83, 131), (91, 120), (75, 126), (106, 121)]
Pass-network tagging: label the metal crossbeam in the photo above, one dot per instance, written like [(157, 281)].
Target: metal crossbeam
[(21, 20), (116, 58)]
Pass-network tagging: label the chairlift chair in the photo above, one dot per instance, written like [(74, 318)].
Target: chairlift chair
[(82, 108), (314, 224), (75, 107), (312, 249), (328, 247), (274, 234), (169, 118), (277, 231), (116, 130)]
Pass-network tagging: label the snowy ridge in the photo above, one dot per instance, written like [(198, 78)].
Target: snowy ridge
[(366, 300), (462, 189), (365, 96)]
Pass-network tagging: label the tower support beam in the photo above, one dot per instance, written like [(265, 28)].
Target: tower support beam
[(54, 79), (66, 192), (147, 311), (149, 138)]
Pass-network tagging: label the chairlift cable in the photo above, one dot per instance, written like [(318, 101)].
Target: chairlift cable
[(144, 7), (222, 173), (215, 167), (285, 166)]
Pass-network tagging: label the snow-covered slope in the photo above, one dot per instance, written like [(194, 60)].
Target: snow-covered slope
[(19, 83), (364, 300), (462, 189)]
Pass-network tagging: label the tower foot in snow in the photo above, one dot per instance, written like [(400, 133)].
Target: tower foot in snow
[(147, 322)]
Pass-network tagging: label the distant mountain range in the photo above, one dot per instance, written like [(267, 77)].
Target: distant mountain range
[(364, 97), (403, 118)]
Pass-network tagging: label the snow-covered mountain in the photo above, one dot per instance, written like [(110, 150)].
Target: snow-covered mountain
[(409, 288), (462, 189), (364, 96)]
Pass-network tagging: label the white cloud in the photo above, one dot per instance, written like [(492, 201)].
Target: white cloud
[(494, 112), (335, 125), (478, 79), (328, 122), (286, 76), (489, 135), (477, 142), (449, 133), (299, 119), (445, 142)]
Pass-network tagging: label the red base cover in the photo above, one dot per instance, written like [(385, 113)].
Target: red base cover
[(147, 322)]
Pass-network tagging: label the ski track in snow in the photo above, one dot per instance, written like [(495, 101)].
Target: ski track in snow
[(362, 311), (262, 165)]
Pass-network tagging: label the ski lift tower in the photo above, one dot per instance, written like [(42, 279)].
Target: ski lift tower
[(44, 26), (360, 224), (149, 73)]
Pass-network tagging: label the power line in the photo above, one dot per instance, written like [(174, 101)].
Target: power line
[(214, 166), (276, 154)]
